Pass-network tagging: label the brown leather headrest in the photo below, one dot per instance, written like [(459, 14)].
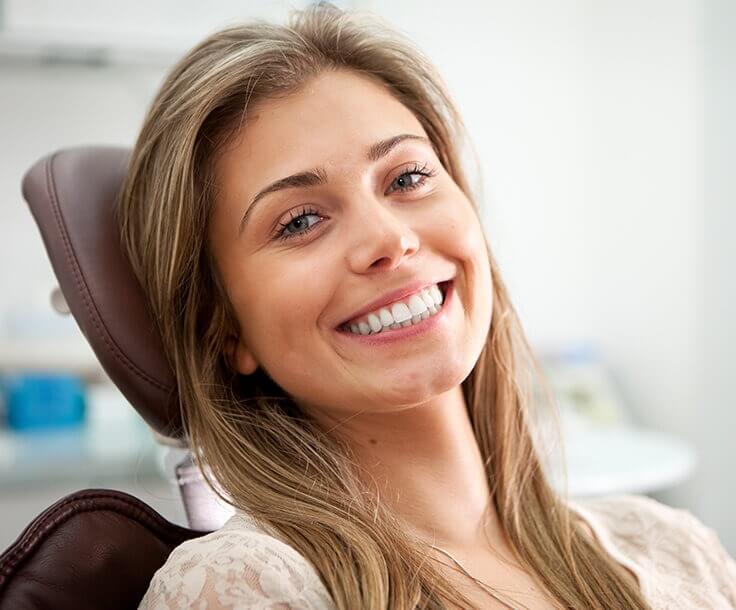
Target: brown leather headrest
[(71, 194)]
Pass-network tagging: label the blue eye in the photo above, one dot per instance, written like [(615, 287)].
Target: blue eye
[(405, 181), (297, 223)]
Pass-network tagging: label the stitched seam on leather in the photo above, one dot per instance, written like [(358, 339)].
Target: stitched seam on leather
[(83, 289), (157, 525)]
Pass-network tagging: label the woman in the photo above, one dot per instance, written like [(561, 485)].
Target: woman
[(349, 364)]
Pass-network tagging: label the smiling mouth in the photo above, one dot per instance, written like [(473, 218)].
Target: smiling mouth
[(414, 320)]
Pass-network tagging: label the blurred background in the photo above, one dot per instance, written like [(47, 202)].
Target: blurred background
[(605, 133)]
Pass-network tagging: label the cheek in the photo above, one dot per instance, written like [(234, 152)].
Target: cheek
[(462, 233), (283, 305), (464, 240)]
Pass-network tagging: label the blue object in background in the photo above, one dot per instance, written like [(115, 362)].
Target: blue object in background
[(43, 401)]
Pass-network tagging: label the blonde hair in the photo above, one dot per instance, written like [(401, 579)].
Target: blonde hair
[(268, 457)]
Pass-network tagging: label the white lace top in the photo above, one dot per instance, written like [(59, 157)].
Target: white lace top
[(679, 561)]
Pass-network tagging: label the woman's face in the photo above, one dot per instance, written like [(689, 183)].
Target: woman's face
[(354, 220)]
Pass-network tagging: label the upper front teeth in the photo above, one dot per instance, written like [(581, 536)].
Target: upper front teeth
[(418, 306)]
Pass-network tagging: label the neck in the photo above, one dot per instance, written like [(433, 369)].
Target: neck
[(427, 466)]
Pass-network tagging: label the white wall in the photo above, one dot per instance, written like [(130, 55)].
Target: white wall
[(608, 199), (713, 417)]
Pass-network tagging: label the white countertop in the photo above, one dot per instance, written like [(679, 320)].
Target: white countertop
[(625, 459)]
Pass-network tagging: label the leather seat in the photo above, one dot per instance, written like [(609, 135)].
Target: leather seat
[(93, 549)]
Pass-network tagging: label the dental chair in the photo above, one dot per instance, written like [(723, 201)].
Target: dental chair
[(99, 548)]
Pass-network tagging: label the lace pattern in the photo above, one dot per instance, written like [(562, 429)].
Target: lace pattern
[(236, 567)]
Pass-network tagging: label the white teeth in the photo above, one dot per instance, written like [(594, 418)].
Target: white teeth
[(416, 305), (400, 312), (375, 323), (386, 319), (436, 294), (419, 307)]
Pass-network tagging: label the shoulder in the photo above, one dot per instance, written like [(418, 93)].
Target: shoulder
[(675, 552), (631, 514), (640, 519), (238, 566)]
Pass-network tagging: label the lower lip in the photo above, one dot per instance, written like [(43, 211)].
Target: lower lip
[(391, 336)]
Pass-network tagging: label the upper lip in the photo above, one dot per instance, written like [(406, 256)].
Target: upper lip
[(394, 295)]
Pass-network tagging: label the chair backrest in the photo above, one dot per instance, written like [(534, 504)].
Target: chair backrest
[(72, 195), (99, 548), (93, 549)]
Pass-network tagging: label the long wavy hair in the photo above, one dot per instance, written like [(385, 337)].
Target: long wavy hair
[(257, 450)]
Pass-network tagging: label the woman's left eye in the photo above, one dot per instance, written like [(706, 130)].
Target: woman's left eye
[(413, 178)]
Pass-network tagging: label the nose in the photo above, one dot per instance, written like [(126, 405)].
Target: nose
[(381, 239)]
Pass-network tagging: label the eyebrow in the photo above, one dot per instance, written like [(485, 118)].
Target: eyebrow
[(317, 176)]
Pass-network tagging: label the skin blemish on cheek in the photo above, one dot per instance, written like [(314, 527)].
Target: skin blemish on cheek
[(372, 441)]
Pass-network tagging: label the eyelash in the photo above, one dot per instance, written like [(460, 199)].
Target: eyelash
[(425, 171)]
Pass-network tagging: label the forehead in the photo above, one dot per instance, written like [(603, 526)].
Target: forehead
[(330, 120)]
